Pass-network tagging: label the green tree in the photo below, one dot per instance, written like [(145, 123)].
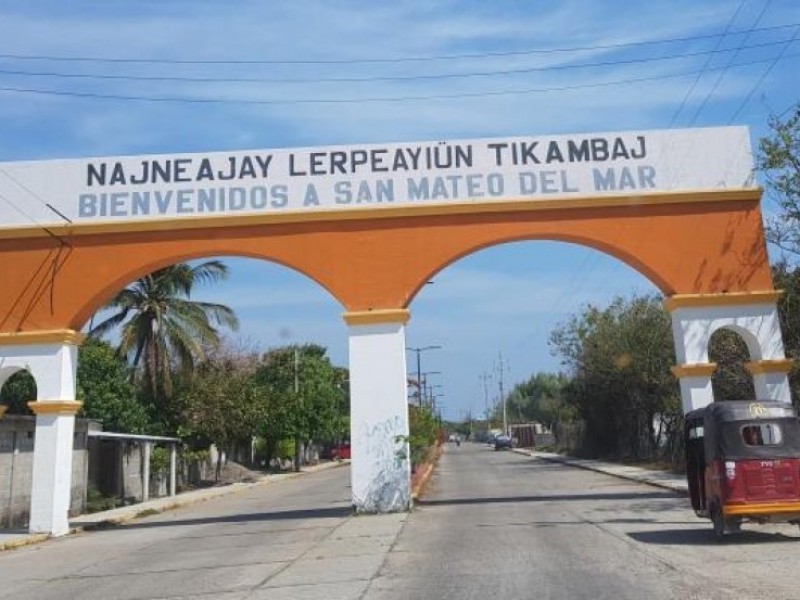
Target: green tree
[(787, 278), (106, 392), (223, 405), (540, 399), (424, 429), (17, 391), (619, 359), (778, 160), (161, 327), (307, 395), (731, 380)]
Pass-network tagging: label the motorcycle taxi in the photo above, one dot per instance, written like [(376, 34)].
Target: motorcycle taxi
[(743, 463)]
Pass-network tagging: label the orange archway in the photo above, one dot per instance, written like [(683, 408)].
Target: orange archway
[(371, 225), (709, 242)]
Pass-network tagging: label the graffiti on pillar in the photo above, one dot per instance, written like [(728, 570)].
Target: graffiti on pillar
[(386, 445)]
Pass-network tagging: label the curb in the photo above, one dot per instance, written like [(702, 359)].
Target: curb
[(35, 538), (28, 540), (676, 488), (425, 474)]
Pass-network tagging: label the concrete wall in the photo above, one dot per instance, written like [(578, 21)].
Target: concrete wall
[(115, 468), (17, 433)]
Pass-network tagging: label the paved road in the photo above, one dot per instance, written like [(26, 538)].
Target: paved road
[(499, 525), (292, 540), (494, 525)]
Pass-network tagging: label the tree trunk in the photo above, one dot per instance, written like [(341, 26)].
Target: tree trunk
[(218, 470)]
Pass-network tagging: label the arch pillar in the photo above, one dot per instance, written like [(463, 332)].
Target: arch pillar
[(51, 357), (381, 462), (695, 381), (771, 378), (754, 316)]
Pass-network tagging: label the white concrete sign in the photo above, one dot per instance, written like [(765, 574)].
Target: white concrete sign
[(152, 187)]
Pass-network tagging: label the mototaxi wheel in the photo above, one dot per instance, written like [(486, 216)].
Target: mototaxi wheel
[(718, 523), (734, 525)]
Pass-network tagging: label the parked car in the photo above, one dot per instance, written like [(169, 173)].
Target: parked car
[(342, 451), (502, 442)]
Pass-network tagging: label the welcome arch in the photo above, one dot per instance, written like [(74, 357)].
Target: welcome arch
[(372, 238)]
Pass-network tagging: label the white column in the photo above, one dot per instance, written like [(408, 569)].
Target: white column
[(52, 466), (173, 468), (146, 446), (771, 380), (51, 358), (381, 469), (695, 381), (752, 315)]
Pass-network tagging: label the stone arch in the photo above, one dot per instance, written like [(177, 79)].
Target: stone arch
[(595, 244), (374, 259), (147, 265), (752, 315), (52, 368), (749, 337), (757, 323), (701, 234)]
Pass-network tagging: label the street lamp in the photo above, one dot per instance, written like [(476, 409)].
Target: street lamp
[(432, 395), (424, 384), (419, 367)]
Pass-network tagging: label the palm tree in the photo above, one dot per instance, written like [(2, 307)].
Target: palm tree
[(161, 326)]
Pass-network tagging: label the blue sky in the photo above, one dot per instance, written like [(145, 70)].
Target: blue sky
[(505, 299)]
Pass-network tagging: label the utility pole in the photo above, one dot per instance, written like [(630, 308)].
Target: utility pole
[(502, 395), (419, 369), (485, 377)]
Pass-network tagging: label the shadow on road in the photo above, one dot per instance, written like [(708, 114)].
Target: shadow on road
[(579, 522), (286, 515), (549, 498), (705, 537)]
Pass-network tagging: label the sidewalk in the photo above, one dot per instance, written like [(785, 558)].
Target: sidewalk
[(662, 479), (14, 538)]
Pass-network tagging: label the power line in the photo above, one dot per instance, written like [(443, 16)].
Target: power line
[(705, 66), (25, 215), (169, 61), (722, 73), (519, 71), (60, 239), (763, 77), (373, 99)]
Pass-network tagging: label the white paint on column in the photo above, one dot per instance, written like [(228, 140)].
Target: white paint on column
[(173, 468), (759, 327), (54, 368), (772, 386), (52, 474), (146, 446), (696, 392), (381, 472), (757, 324)]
